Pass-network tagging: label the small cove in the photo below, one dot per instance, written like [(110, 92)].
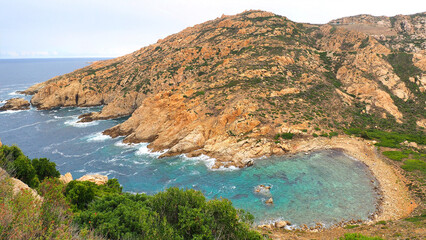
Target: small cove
[(324, 186)]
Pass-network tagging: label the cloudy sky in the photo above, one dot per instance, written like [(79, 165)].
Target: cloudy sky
[(110, 28)]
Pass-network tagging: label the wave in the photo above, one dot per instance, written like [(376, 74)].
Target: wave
[(28, 125), (14, 93), (11, 111), (144, 150), (97, 137), (209, 162), (141, 149), (74, 122), (56, 151)]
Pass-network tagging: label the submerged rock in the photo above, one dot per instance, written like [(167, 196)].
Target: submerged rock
[(15, 104), (263, 190)]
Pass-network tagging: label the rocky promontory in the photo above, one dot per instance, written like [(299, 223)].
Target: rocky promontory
[(245, 86), (15, 104)]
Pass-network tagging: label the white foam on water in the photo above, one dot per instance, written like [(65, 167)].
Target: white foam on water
[(209, 162), (144, 150), (14, 93), (98, 137), (56, 151), (11, 111), (82, 170), (125, 145), (74, 122)]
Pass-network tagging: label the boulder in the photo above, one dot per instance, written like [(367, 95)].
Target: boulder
[(66, 178), (266, 226), (15, 104), (269, 201), (96, 178), (19, 186), (281, 224)]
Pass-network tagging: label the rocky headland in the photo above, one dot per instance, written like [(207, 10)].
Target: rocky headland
[(228, 87)]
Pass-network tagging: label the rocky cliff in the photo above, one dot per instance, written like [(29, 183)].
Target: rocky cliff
[(233, 87)]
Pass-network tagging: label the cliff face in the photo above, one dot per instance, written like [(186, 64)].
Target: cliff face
[(227, 87)]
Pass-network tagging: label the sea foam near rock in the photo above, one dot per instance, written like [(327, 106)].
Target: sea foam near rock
[(74, 122), (97, 137)]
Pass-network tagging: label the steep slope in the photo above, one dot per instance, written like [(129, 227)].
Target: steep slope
[(231, 87)]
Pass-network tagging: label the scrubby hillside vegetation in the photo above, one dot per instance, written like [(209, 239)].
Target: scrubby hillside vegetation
[(231, 87)]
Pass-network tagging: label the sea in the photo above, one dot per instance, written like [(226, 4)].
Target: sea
[(324, 187)]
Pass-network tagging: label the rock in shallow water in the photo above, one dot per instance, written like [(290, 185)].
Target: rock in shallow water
[(15, 104)]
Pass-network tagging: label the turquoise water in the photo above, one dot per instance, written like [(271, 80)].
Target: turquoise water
[(325, 186)]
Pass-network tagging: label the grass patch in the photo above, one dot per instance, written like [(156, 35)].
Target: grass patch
[(351, 226), (411, 165), (387, 139), (395, 155), (358, 236), (417, 219)]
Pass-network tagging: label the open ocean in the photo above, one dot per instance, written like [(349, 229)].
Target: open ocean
[(325, 186)]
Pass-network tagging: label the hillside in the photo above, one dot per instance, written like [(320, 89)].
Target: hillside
[(237, 87)]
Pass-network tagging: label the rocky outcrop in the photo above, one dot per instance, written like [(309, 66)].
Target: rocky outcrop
[(95, 178), (400, 32), (15, 104), (65, 179), (19, 186)]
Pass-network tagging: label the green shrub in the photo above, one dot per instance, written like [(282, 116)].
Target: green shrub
[(333, 134), (315, 135), (287, 135), (25, 171), (172, 214), (80, 194), (44, 168), (30, 172)]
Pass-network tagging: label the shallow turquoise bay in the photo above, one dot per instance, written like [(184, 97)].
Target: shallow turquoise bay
[(325, 186)]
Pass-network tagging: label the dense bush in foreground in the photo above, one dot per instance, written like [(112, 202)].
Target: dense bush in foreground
[(172, 214), (31, 172)]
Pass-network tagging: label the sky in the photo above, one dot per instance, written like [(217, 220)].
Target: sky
[(112, 28)]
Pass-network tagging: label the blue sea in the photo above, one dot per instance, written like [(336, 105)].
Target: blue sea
[(325, 186)]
